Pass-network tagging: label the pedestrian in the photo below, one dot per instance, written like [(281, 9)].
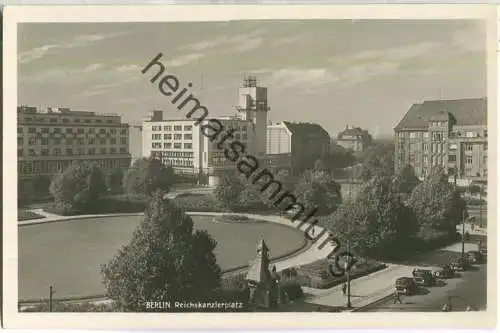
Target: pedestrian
[(313, 229), (397, 297)]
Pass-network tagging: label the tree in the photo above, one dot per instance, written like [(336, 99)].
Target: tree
[(377, 224), (407, 180), (437, 203), (164, 260), (114, 180), (318, 190), (79, 187), (229, 189), (378, 161), (148, 175)]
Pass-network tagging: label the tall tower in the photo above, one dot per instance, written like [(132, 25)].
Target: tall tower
[(252, 106)]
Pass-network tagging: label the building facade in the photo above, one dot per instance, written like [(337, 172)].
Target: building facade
[(303, 142), (452, 134), (181, 144), (49, 140), (354, 138)]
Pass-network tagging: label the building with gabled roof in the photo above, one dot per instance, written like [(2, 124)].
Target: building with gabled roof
[(354, 138), (449, 133)]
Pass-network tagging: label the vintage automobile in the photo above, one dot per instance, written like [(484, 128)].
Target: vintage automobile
[(424, 277), (460, 264), (406, 286), (444, 272), (475, 257)]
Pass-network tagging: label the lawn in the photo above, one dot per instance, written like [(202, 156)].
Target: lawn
[(67, 254)]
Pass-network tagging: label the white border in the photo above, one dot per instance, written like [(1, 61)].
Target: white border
[(15, 14)]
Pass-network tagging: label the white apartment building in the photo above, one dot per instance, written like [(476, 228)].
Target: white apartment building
[(48, 140), (181, 144)]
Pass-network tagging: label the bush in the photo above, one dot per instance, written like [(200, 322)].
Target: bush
[(292, 289), (73, 307), (232, 219), (316, 274), (202, 203), (234, 281), (24, 215)]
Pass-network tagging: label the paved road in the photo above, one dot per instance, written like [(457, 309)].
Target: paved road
[(468, 288)]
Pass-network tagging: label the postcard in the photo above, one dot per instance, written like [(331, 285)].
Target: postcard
[(287, 166)]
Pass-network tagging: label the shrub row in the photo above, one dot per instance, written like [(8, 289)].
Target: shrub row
[(24, 215)]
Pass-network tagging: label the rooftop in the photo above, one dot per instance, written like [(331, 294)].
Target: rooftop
[(306, 129), (354, 131), (464, 112)]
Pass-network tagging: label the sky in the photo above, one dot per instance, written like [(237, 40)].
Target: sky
[(331, 72)]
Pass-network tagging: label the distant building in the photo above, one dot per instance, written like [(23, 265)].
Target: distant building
[(448, 133), (181, 144), (49, 140), (303, 142), (354, 138)]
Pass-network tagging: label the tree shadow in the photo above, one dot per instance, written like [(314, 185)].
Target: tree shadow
[(440, 283)]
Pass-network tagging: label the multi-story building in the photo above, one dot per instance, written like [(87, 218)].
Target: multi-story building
[(354, 138), (449, 133), (303, 142), (181, 144), (48, 140)]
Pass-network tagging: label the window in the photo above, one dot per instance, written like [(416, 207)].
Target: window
[(243, 129), (80, 141), (69, 142), (156, 137), (112, 151), (81, 151), (156, 145), (31, 141), (485, 147), (426, 147), (112, 141), (413, 135), (167, 136), (468, 159), (112, 131), (485, 133), (437, 136), (167, 145), (20, 130), (32, 152), (56, 141), (426, 135), (45, 130), (468, 147), (167, 128), (91, 130), (244, 137), (91, 141), (31, 130), (65, 120), (188, 127), (57, 130), (45, 141), (53, 120), (91, 151), (98, 121), (69, 152), (470, 134), (102, 151), (102, 131), (102, 141), (87, 121), (188, 136), (77, 120), (80, 131), (123, 131), (69, 130), (177, 136), (123, 150), (177, 128), (56, 152), (20, 141), (177, 145), (20, 152), (188, 146), (426, 159), (123, 141), (452, 158)]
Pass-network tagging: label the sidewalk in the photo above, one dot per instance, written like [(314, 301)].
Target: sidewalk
[(364, 290)]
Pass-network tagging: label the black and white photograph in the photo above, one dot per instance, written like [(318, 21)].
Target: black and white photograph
[(247, 165)]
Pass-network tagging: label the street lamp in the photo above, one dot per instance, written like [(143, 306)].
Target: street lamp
[(348, 275)]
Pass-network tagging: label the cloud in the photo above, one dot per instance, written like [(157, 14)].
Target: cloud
[(305, 79), (184, 60), (237, 43), (288, 40), (472, 39), (55, 74), (398, 53), (78, 41)]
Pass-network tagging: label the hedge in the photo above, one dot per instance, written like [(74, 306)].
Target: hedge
[(24, 215)]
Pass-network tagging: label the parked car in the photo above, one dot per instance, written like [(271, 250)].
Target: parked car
[(406, 285), (424, 277), (475, 257), (444, 272), (460, 264)]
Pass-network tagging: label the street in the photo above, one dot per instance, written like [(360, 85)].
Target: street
[(467, 288)]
